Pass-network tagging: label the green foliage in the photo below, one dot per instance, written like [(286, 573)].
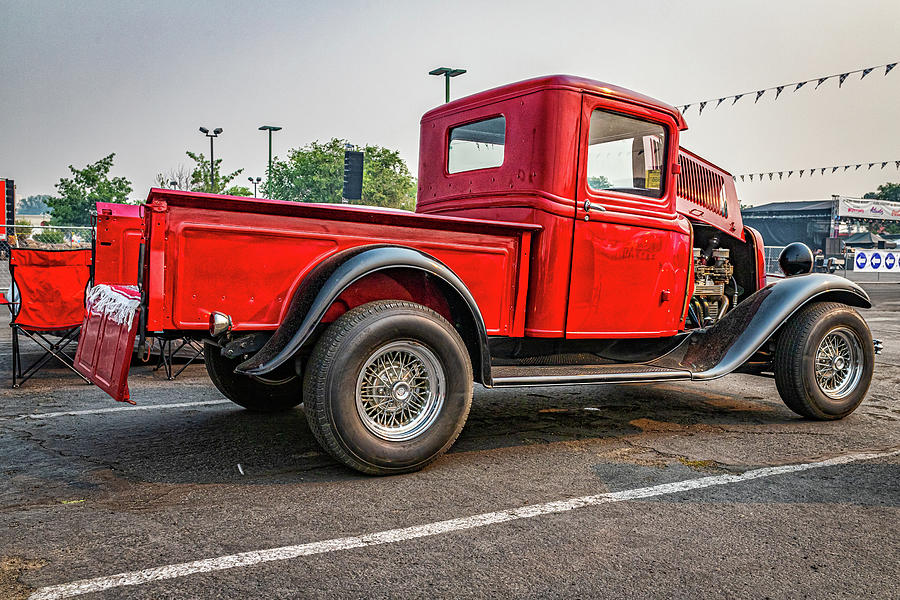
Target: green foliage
[(33, 205), (200, 175), (599, 182), (315, 173), (50, 236), (238, 190), (23, 228), (78, 194), (890, 192)]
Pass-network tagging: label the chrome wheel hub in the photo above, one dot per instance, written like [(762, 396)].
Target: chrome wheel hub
[(839, 363), (400, 390)]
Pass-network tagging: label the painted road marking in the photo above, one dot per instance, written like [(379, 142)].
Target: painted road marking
[(247, 559), (100, 411)]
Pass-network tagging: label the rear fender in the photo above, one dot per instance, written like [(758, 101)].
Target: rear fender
[(333, 276), (722, 348)]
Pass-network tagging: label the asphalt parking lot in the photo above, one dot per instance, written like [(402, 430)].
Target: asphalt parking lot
[(633, 491)]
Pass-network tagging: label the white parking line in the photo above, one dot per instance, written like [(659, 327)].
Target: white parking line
[(129, 407), (246, 559)]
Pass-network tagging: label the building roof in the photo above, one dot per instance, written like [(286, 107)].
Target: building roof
[(805, 206)]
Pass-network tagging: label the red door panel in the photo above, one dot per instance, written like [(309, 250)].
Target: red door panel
[(627, 281), (631, 251)]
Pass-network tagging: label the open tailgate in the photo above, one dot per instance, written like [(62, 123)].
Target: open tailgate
[(107, 337)]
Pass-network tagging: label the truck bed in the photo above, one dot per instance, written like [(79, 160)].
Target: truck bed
[(246, 257)]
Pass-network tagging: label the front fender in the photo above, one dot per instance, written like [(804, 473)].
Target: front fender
[(720, 349), (327, 281)]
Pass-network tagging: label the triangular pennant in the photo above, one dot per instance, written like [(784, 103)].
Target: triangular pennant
[(870, 166), (897, 162), (833, 169), (770, 176), (742, 177), (842, 78), (887, 68), (821, 81), (736, 98), (823, 171), (702, 106), (800, 85), (759, 95), (857, 167), (751, 176), (866, 72), (790, 173), (685, 109), (780, 174), (801, 172), (884, 164), (721, 100), (778, 91), (846, 167)]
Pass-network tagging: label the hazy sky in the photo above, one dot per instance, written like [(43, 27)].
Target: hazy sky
[(81, 79)]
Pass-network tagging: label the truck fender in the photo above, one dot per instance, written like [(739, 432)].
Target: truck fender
[(720, 349), (325, 283)]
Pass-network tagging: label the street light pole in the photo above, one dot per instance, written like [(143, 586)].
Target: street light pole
[(270, 129), (255, 182), (212, 160), (447, 72)]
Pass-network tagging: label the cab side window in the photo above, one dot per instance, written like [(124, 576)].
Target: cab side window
[(476, 145), (626, 155)]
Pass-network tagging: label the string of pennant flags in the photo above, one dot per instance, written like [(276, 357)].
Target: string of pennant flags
[(778, 89), (811, 172)]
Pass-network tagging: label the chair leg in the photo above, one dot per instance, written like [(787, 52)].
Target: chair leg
[(197, 353), (51, 350), (15, 366)]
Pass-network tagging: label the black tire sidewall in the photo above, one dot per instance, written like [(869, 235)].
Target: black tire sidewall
[(340, 389), (829, 407), (245, 391)]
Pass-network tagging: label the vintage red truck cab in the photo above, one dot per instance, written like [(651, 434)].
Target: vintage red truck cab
[(561, 236)]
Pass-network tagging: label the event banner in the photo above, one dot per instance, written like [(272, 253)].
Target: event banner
[(877, 261), (869, 209)]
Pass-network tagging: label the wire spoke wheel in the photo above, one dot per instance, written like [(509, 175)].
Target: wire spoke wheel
[(400, 390), (839, 363)]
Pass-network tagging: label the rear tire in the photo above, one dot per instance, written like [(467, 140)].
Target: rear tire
[(388, 387), (824, 360), (253, 394)]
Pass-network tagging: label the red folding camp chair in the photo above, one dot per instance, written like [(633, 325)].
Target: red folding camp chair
[(51, 286)]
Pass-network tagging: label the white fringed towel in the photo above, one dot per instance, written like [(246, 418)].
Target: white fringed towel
[(116, 302)]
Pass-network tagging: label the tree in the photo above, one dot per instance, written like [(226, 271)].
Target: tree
[(890, 192), (200, 175), (315, 173), (179, 175), (77, 195), (33, 205), (238, 190), (599, 182)]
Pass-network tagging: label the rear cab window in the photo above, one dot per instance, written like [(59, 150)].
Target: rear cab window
[(626, 155), (477, 145)]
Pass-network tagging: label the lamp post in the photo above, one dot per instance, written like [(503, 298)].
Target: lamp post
[(255, 183), (447, 72), (212, 162), (270, 129)]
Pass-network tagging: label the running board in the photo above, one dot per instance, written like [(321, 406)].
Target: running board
[(530, 375)]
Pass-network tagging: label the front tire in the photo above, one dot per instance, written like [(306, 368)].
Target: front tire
[(824, 360), (388, 387), (275, 395)]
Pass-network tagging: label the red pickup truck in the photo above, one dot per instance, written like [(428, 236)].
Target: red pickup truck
[(561, 237)]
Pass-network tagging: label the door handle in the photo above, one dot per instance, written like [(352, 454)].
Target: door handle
[(588, 206)]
